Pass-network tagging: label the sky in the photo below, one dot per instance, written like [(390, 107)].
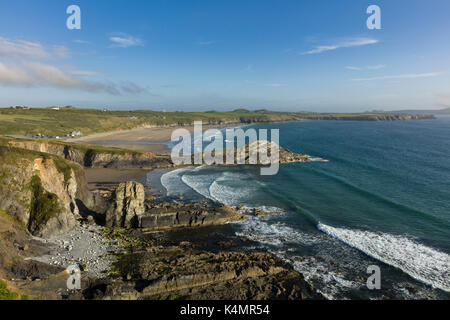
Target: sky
[(282, 55)]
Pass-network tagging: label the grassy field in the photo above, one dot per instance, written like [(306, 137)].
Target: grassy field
[(64, 121)]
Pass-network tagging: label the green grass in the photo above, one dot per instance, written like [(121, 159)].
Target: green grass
[(84, 148), (4, 216), (88, 121), (6, 294), (44, 205), (12, 155), (65, 167)]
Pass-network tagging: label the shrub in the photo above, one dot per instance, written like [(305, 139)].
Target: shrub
[(44, 205)]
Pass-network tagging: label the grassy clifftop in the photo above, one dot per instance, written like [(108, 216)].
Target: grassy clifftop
[(84, 155), (88, 121)]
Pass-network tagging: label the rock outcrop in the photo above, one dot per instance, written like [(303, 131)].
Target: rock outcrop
[(40, 191), (127, 207), (261, 152), (187, 216), (95, 156), (194, 273)]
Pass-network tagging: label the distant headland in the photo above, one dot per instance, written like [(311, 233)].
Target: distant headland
[(64, 121)]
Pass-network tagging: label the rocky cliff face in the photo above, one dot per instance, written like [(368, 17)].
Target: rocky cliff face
[(189, 271), (39, 191), (93, 156), (127, 206), (187, 216)]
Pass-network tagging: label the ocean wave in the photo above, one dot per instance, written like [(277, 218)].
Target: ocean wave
[(230, 188), (284, 241), (423, 263), (199, 182), (374, 195), (172, 182), (277, 234)]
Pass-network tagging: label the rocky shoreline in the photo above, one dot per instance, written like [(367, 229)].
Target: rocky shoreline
[(116, 235), (119, 263)]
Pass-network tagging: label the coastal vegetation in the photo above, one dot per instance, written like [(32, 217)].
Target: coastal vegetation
[(44, 205), (10, 155), (6, 294), (77, 154), (62, 121)]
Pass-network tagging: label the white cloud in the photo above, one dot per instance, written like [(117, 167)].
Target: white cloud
[(21, 49), (33, 74), (375, 67), (82, 41), (275, 85), (353, 68), (86, 73), (49, 74), (354, 42), (13, 75), (401, 76), (125, 41), (61, 52)]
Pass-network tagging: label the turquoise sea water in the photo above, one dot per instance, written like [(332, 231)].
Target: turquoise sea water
[(382, 199)]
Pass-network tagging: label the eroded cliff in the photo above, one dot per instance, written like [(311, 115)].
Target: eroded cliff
[(40, 190)]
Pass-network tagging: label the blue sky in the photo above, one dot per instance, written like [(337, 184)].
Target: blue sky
[(203, 55)]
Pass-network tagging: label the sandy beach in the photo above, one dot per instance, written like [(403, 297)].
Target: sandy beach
[(155, 136), (97, 177)]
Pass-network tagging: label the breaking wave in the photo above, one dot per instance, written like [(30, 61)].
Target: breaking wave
[(417, 260)]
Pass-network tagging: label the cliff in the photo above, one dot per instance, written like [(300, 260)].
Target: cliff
[(39, 190), (93, 156), (369, 117)]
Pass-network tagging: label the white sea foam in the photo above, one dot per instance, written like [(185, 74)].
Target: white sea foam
[(419, 261), (277, 234), (224, 187), (284, 240), (172, 182), (333, 283), (230, 188), (200, 182)]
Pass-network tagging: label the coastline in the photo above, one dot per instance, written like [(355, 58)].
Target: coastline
[(109, 178), (150, 139)]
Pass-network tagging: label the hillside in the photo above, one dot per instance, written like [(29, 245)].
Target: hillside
[(434, 112), (89, 155), (49, 122)]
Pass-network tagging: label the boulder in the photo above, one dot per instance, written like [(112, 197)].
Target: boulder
[(127, 206)]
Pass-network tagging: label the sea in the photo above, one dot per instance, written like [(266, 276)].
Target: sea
[(382, 199)]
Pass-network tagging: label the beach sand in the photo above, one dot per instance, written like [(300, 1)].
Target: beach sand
[(124, 139), (100, 177)]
